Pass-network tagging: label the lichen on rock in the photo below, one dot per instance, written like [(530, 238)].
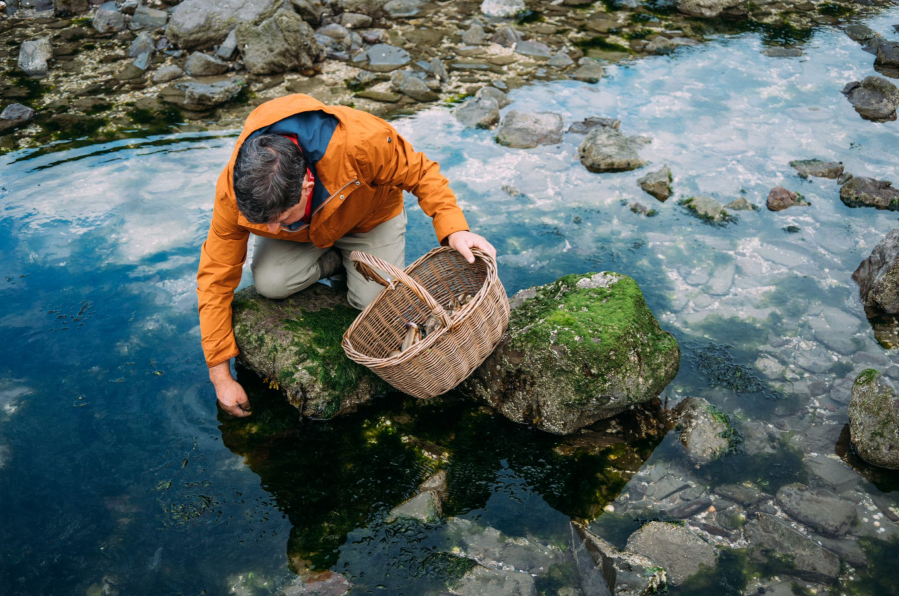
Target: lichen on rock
[(583, 348), (296, 344)]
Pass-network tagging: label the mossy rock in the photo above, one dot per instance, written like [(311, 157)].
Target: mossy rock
[(295, 344), (583, 348), (874, 419)]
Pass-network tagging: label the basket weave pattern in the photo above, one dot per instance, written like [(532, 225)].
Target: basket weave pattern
[(446, 356)]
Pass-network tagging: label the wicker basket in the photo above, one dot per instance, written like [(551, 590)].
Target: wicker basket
[(446, 356)]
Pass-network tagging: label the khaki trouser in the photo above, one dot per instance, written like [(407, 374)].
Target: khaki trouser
[(281, 267)]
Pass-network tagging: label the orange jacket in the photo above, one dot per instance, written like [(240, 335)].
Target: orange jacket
[(361, 167)]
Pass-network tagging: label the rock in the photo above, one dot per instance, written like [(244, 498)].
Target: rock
[(783, 52), (474, 36), (706, 8), (142, 43), (818, 168), (166, 74), (847, 549), (878, 276), (606, 150), (740, 204), (529, 129), (874, 420), (198, 97), (658, 184), (533, 49), (409, 84), (682, 553), (506, 36), (402, 9), (583, 348), (309, 365), (707, 209), (228, 49), (423, 507), (436, 68), (588, 124), (874, 98), (706, 432), (817, 508), (502, 100), (16, 111), (487, 582), (382, 58), (204, 23), (868, 192), (352, 20), (604, 569), (68, 8), (861, 33), (199, 64), (502, 8), (772, 538), (560, 59), (382, 96), (846, 177), (780, 198), (34, 55), (280, 43), (769, 367), (108, 19), (495, 550), (641, 209), (148, 18), (589, 71), (832, 471), (478, 112), (744, 495), (887, 55), (135, 70), (663, 45), (142, 63)]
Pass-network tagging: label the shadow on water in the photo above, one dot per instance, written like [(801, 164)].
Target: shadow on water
[(336, 477)]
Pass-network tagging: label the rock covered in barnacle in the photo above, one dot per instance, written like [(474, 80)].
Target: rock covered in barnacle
[(583, 348), (874, 419)]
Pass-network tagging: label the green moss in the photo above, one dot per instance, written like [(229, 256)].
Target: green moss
[(641, 17), (457, 98), (866, 377), (731, 434), (35, 90), (879, 577), (81, 127), (81, 21), (792, 229), (833, 9), (638, 34), (600, 43)]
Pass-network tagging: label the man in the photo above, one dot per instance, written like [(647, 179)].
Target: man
[(312, 183)]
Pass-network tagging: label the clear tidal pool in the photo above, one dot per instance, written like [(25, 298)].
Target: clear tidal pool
[(116, 470)]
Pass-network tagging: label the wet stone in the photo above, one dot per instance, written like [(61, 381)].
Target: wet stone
[(529, 129), (142, 63), (480, 581), (771, 538), (780, 198), (706, 8), (887, 55), (869, 192), (382, 96), (741, 204), (495, 550), (769, 367), (605, 149), (818, 168), (861, 33), (665, 487), (874, 419), (423, 507), (878, 277), (688, 509), (409, 84), (706, 208), (502, 100), (382, 58), (16, 111), (584, 126), (478, 112), (832, 472), (604, 569), (560, 60), (657, 184), (874, 98), (744, 495), (589, 71), (682, 553), (817, 508)]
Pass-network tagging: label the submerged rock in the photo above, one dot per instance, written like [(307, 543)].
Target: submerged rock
[(707, 209), (878, 276), (478, 112), (525, 130), (200, 23), (868, 192), (874, 419), (577, 350), (817, 508), (818, 168), (874, 98), (479, 581), (494, 550), (706, 432), (780, 198), (280, 43), (773, 540), (682, 553), (296, 344), (604, 569), (658, 184), (604, 149)]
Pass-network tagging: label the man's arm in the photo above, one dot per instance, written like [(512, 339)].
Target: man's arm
[(221, 263)]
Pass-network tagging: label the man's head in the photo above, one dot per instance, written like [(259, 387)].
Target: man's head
[(270, 181)]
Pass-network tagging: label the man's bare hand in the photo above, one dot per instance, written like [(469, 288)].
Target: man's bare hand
[(231, 396), (465, 241)]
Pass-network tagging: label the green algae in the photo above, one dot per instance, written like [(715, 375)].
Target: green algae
[(879, 577), (600, 43), (866, 377)]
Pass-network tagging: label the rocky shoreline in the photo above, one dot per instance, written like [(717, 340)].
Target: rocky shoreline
[(97, 72)]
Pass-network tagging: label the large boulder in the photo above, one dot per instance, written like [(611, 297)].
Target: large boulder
[(524, 130), (296, 344), (874, 98), (869, 192), (201, 23), (280, 43), (34, 57), (878, 277), (583, 348), (604, 149), (874, 419), (707, 8)]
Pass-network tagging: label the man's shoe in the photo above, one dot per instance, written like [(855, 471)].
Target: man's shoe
[(330, 264)]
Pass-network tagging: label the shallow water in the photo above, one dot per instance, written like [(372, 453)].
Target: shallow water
[(116, 469)]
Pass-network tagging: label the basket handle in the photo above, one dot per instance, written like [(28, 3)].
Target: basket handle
[(366, 264)]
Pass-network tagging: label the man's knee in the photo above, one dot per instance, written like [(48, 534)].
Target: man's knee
[(272, 280), (361, 296)]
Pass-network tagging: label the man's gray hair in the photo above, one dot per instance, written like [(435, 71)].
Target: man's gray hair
[(268, 177)]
